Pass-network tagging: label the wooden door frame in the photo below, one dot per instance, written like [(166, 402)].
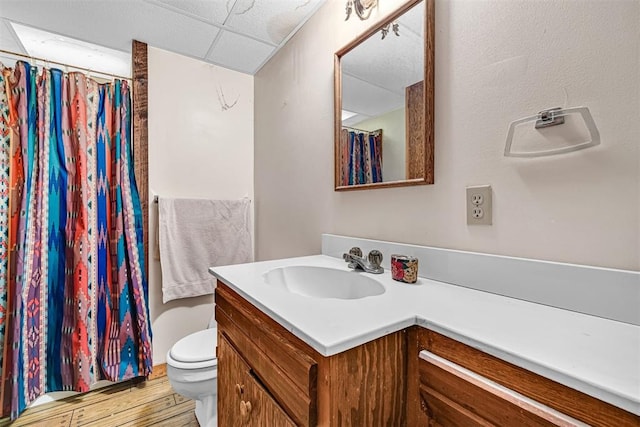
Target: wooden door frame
[(141, 136)]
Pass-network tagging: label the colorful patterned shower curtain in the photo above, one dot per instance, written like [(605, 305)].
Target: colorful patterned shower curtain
[(73, 290), (360, 156)]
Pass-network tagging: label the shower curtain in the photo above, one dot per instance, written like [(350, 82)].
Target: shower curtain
[(73, 290), (360, 156)]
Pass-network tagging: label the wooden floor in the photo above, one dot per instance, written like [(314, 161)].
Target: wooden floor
[(128, 404)]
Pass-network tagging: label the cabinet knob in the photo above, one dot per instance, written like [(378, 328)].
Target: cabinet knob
[(239, 390), (245, 408)]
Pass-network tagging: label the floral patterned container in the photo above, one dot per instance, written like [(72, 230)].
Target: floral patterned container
[(404, 268)]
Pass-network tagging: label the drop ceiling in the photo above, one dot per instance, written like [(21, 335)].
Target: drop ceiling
[(237, 34)]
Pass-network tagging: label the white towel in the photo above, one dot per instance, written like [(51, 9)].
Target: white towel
[(196, 234)]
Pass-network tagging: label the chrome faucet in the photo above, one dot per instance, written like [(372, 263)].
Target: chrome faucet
[(369, 265)]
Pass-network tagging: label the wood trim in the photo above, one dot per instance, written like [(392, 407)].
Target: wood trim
[(415, 156), (337, 120), (428, 100), (324, 392), (390, 184), (414, 415), (368, 383), (550, 393), (141, 136), (158, 371), (429, 90)]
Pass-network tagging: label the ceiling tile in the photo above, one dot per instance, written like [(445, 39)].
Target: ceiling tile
[(239, 53), (393, 63), (365, 98), (215, 11), (115, 23), (187, 27), (270, 20)]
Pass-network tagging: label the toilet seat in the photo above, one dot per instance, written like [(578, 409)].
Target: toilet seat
[(195, 351)]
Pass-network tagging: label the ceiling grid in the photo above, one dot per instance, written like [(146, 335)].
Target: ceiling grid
[(241, 35)]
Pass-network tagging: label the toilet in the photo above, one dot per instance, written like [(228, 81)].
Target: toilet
[(192, 369)]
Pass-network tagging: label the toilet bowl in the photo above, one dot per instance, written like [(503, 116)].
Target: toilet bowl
[(192, 369)]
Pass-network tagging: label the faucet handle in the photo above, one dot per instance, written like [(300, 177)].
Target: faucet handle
[(375, 258), (355, 251)]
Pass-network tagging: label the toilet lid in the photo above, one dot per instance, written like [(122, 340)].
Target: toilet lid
[(197, 347)]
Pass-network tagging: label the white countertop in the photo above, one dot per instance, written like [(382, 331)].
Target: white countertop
[(597, 356)]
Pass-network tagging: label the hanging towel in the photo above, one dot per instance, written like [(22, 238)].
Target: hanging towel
[(196, 234), (156, 234)]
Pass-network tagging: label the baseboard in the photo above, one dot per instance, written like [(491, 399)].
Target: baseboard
[(158, 371)]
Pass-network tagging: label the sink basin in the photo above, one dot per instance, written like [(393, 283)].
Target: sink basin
[(322, 282)]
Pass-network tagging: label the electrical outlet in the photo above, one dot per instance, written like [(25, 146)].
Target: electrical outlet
[(479, 206), (477, 199), (477, 213)]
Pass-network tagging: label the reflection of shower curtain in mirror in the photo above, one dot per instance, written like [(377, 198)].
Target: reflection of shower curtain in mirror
[(360, 157), (73, 290)]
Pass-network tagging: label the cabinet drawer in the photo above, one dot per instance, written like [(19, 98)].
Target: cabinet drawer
[(280, 360), (243, 400), (446, 389), (454, 396)]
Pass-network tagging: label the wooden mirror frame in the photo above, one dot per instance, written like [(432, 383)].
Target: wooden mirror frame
[(428, 98)]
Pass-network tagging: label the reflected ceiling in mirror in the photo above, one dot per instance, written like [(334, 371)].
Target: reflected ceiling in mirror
[(383, 115)]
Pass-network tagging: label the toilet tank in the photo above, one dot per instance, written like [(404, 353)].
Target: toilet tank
[(212, 321)]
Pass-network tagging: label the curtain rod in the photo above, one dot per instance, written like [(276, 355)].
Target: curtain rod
[(34, 58), (362, 130)]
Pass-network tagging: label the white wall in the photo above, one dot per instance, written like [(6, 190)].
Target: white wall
[(196, 149), (496, 61)]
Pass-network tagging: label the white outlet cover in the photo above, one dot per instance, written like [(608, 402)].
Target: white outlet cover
[(479, 198)]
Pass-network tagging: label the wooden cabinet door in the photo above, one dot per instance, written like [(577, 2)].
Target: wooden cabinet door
[(242, 400), (231, 372), (259, 409), (286, 366)]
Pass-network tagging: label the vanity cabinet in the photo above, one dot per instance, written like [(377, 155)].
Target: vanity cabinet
[(414, 377), (360, 387)]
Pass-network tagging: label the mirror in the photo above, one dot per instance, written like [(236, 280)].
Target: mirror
[(384, 102)]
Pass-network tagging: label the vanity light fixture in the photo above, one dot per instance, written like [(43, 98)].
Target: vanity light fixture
[(363, 8)]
